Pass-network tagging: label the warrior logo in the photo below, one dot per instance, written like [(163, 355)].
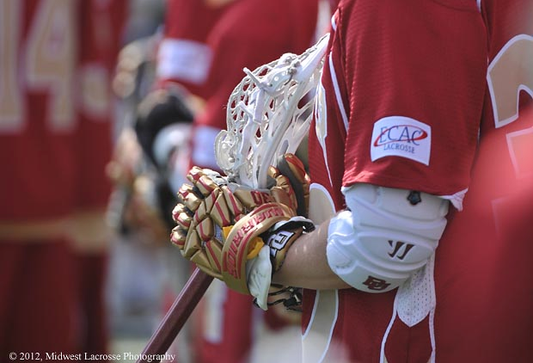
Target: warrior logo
[(400, 249)]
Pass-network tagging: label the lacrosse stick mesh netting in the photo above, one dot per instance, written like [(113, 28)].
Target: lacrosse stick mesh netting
[(268, 115)]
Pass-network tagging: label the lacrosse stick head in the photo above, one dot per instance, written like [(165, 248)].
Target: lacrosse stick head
[(268, 115)]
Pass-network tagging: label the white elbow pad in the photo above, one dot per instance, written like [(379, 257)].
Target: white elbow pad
[(385, 236)]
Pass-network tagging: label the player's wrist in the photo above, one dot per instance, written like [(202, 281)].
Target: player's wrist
[(278, 240)]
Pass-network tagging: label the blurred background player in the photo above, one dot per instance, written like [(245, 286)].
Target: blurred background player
[(55, 140), (249, 34), (488, 289), (135, 210), (184, 58), (103, 25), (161, 81)]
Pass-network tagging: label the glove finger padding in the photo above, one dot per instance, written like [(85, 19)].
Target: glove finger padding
[(292, 184), (207, 205)]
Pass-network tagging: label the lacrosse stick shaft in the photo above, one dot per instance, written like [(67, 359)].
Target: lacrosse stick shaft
[(176, 317)]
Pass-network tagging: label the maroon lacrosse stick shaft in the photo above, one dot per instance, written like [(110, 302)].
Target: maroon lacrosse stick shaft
[(176, 316)]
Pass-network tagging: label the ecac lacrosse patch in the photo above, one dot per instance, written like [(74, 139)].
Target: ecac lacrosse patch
[(401, 136)]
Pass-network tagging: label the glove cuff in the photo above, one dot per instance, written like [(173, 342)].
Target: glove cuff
[(240, 241), (283, 235)]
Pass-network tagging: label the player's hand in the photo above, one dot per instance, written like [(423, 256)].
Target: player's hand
[(143, 214), (124, 164), (237, 234)]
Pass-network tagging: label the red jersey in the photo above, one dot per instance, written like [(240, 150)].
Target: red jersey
[(184, 55), (403, 104), (102, 23), (47, 61), (244, 38), (487, 291), (55, 57)]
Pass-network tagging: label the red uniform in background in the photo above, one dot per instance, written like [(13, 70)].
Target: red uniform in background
[(487, 291), (249, 34), (55, 112), (402, 109), (184, 57), (102, 24)]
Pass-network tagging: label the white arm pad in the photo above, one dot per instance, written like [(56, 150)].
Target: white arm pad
[(384, 237)]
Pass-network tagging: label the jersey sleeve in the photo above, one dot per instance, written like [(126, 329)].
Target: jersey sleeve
[(184, 56), (412, 76)]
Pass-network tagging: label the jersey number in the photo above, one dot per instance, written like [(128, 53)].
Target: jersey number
[(43, 63), (509, 73)]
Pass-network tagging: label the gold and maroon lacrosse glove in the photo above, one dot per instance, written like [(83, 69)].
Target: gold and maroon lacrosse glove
[(222, 225)]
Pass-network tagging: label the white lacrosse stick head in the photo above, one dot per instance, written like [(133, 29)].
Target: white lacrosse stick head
[(268, 115)]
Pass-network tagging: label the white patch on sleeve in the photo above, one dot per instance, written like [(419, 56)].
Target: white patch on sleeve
[(401, 136), (184, 59)]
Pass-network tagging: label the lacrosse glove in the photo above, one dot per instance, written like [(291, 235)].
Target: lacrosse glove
[(159, 110), (241, 235)]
